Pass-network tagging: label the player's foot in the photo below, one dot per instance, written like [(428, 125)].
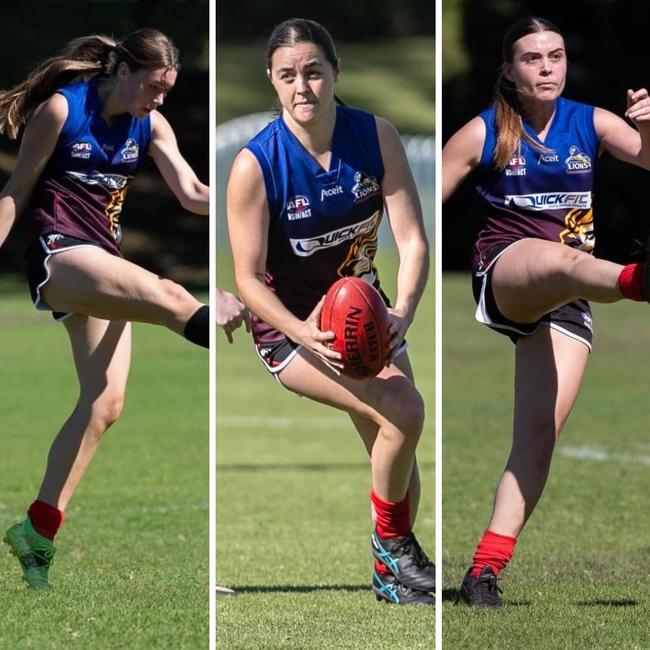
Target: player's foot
[(406, 560), (390, 589), (34, 552), (481, 592)]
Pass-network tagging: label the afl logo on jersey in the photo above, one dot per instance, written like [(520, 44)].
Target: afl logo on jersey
[(298, 207), (516, 166), (129, 151), (577, 162), (364, 186), (81, 150)]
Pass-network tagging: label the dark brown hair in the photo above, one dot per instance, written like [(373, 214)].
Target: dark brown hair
[(82, 58), (302, 30), (510, 128)]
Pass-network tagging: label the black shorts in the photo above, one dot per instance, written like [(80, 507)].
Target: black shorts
[(37, 269), (277, 356), (573, 319)]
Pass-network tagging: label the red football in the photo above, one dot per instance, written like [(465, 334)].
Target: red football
[(357, 314)]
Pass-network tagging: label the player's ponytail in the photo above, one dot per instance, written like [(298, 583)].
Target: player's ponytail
[(510, 127), (81, 59), (508, 109)]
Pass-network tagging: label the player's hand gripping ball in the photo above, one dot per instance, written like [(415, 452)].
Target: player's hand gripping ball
[(357, 314)]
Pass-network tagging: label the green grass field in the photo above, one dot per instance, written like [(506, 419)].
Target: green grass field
[(131, 570), (579, 578), (293, 522)]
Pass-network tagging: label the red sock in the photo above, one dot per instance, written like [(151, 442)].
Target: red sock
[(392, 518), (381, 568), (630, 281), (493, 549), (46, 519)]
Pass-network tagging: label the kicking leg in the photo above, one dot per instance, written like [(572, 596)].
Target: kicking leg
[(87, 280)]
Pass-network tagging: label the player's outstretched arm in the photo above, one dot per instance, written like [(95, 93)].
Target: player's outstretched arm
[(618, 138), (39, 140), (175, 170)]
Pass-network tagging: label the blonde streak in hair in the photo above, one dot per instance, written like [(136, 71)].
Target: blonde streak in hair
[(18, 103), (509, 133)]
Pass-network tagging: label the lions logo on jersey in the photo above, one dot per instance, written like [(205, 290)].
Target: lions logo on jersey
[(364, 186), (577, 162), (130, 151)]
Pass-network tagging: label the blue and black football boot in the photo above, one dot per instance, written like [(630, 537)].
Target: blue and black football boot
[(390, 589), (406, 560)]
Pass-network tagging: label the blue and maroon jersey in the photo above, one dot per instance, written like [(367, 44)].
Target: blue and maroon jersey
[(324, 222), (82, 188), (545, 195)]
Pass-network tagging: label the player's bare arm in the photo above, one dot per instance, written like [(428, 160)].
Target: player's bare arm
[(191, 193), (39, 140), (248, 223), (405, 216), (461, 155)]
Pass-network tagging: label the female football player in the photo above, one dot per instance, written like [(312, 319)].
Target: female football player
[(305, 199), (90, 117), (533, 154)]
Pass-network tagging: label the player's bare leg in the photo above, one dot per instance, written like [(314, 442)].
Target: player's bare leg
[(88, 280), (549, 367), (102, 353), (395, 409), (533, 277), (102, 356)]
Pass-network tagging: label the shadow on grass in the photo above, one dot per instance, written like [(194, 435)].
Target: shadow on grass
[(296, 589), (603, 602), (308, 467), (453, 596)]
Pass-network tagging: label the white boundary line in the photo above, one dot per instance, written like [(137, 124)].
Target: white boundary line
[(438, 324), (281, 422), (212, 431), (600, 455)]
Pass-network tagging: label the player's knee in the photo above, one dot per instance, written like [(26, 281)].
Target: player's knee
[(106, 411), (567, 262), (407, 408)]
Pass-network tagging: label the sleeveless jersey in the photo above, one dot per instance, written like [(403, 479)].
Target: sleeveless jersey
[(545, 195), (82, 188), (323, 223)]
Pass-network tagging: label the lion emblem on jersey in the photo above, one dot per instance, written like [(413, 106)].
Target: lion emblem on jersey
[(577, 162), (364, 186), (360, 257), (579, 230)]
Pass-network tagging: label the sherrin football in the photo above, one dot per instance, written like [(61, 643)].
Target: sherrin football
[(357, 314)]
